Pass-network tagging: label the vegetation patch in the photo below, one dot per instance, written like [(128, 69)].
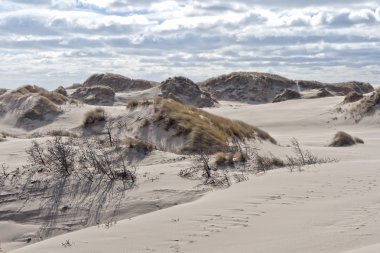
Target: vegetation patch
[(203, 130), (94, 116), (342, 139), (133, 103), (138, 145)]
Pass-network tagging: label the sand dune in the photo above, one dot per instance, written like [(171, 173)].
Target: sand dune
[(324, 208)]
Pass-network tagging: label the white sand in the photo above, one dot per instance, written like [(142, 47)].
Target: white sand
[(328, 208)]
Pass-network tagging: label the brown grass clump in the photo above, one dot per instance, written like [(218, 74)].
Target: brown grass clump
[(222, 158), (94, 116), (138, 145), (53, 96), (342, 139), (240, 157), (204, 130), (132, 104)]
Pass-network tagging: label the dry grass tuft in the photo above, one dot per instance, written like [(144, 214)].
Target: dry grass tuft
[(240, 157), (53, 96), (138, 145), (204, 130), (94, 116), (221, 158), (133, 103), (342, 139)]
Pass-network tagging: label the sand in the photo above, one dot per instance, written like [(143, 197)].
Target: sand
[(325, 208)]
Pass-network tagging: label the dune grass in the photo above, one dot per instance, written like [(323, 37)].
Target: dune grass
[(94, 116), (53, 96), (342, 139), (138, 145), (204, 130)]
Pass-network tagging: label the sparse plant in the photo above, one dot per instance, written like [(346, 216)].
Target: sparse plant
[(132, 104), (94, 116), (66, 244), (304, 157), (342, 139), (202, 129), (138, 145), (60, 155), (202, 160), (36, 154), (108, 127)]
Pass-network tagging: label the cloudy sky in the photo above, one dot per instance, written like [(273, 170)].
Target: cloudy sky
[(58, 42)]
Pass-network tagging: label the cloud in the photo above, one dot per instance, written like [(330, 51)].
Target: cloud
[(49, 41)]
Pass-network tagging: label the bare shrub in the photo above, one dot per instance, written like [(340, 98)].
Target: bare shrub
[(304, 157), (108, 127), (67, 244), (240, 177), (36, 154), (82, 157), (60, 155), (95, 158), (94, 116), (188, 172), (202, 161)]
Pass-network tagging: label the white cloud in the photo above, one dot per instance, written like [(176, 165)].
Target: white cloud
[(57, 41)]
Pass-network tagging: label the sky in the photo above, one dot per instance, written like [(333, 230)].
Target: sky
[(60, 42)]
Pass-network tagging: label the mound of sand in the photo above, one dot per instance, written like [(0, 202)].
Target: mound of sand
[(172, 126), (29, 103), (322, 93), (247, 87), (74, 86), (185, 91), (286, 95), (61, 90), (352, 97), (118, 83), (252, 87), (348, 87), (337, 88), (342, 139), (370, 103), (95, 95)]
